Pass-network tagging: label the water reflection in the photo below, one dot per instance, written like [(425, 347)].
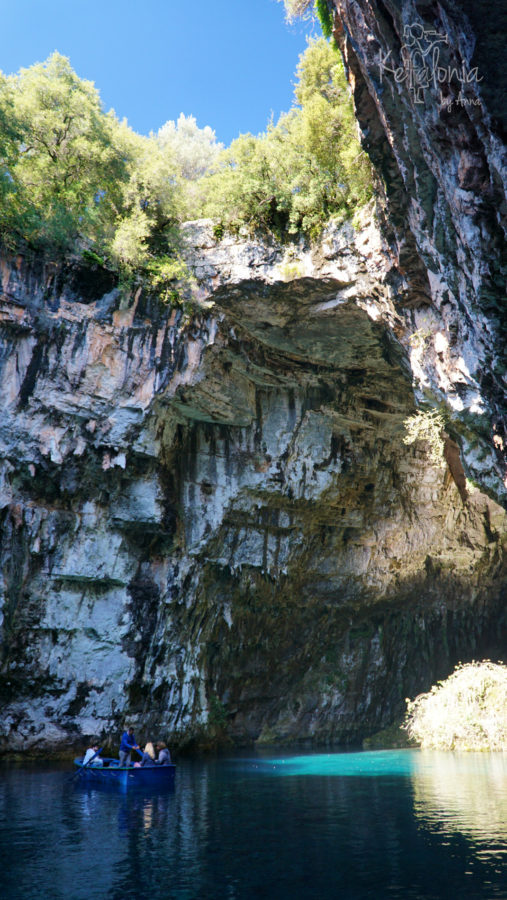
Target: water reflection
[(464, 793), (155, 839), (398, 825)]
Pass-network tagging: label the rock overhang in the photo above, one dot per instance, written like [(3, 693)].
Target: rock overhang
[(258, 532)]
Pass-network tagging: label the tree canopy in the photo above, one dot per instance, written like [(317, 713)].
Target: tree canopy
[(62, 165), (306, 168), (75, 178)]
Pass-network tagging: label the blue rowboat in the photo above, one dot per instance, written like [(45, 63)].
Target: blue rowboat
[(111, 773)]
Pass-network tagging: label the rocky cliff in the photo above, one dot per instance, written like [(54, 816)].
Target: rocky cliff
[(211, 523), (429, 82)]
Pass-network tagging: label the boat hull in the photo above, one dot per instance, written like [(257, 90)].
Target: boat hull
[(127, 777)]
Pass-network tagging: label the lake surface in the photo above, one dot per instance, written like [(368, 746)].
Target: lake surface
[(389, 824)]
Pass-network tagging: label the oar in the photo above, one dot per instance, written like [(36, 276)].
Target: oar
[(138, 750), (80, 770)]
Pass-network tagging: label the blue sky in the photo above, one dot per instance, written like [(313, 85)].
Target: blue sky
[(230, 63)]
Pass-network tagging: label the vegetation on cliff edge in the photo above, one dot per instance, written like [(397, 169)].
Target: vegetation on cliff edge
[(303, 170), (467, 711), (73, 177)]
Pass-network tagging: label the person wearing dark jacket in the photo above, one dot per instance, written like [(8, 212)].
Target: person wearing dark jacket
[(128, 743), (148, 755), (164, 757)]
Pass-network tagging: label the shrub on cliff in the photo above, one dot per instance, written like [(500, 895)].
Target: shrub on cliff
[(427, 426), (74, 178), (304, 8), (467, 711), (306, 168)]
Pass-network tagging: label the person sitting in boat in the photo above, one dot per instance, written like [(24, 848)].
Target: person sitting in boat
[(148, 755), (164, 756), (128, 743), (88, 758)]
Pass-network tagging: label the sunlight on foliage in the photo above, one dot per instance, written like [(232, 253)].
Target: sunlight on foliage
[(193, 151), (64, 167), (130, 243), (304, 9), (303, 170), (467, 711), (427, 426), (297, 8), (73, 176), (74, 179), (170, 277)]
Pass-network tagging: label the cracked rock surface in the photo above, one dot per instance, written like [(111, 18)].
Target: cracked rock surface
[(210, 523)]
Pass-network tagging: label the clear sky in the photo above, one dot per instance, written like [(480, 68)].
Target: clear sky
[(230, 63)]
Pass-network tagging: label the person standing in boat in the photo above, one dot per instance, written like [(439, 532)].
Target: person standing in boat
[(88, 758), (128, 743), (164, 757)]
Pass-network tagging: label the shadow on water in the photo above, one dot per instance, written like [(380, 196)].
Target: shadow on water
[(390, 825)]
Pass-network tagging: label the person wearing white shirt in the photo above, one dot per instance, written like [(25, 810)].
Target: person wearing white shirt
[(90, 753)]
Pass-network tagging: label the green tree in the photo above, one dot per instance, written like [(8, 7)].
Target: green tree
[(8, 151), (150, 203), (193, 151), (66, 171), (73, 176), (305, 168)]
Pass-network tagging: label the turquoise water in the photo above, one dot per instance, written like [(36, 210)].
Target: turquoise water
[(364, 765), (395, 824)]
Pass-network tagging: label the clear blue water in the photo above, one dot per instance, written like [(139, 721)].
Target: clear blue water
[(392, 824)]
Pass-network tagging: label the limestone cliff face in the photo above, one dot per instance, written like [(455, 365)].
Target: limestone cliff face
[(210, 522), (429, 81)]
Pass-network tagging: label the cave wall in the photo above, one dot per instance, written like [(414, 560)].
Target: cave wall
[(429, 81), (210, 523)]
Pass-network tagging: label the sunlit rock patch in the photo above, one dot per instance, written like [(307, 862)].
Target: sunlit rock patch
[(211, 524)]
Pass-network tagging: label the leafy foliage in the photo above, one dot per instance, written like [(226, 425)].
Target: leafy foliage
[(324, 15), (8, 138), (62, 156), (148, 211), (169, 275), (303, 8), (306, 168), (74, 178), (467, 711), (296, 8), (427, 426), (193, 151)]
